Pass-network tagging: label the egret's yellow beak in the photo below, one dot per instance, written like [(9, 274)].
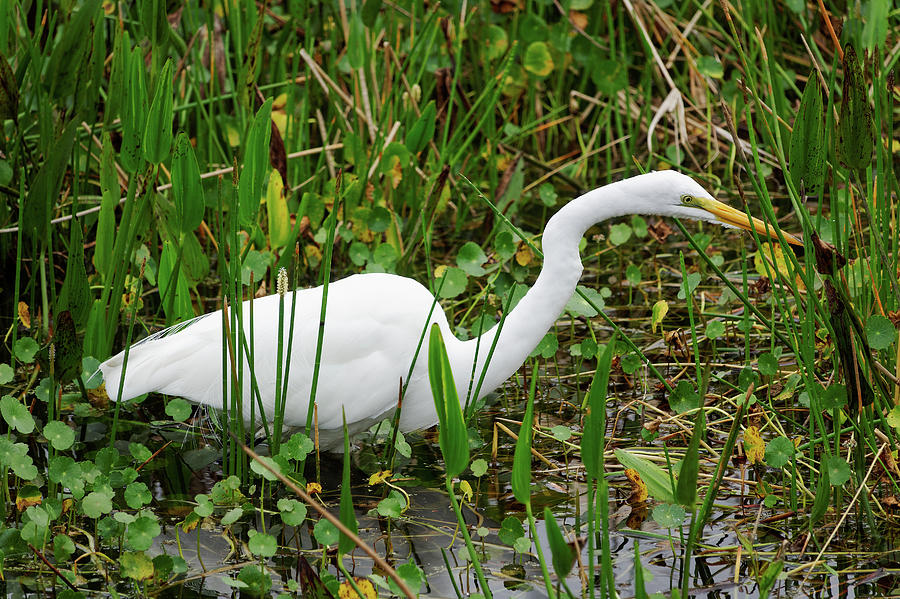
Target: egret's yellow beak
[(731, 216)]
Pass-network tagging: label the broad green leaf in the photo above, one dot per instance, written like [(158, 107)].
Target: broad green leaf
[(75, 295), (470, 258), (178, 409), (822, 498), (450, 282), (178, 307), (807, 148), (255, 165), (855, 130), (293, 513), (347, 513), (563, 556), (710, 67), (768, 364), (779, 452), (521, 469), (684, 397), (356, 45), (157, 140), (619, 233), (658, 482), (610, 76), (592, 441), (422, 131), (547, 347), (511, 529), (874, 33), (69, 59), (60, 436), (715, 329), (134, 113), (187, 189), (370, 12), (325, 532), (16, 414), (686, 487), (838, 470), (43, 192), (262, 544), (106, 222), (140, 534), (880, 332), (669, 515), (452, 433)]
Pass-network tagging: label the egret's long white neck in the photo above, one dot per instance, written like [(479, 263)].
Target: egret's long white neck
[(525, 326)]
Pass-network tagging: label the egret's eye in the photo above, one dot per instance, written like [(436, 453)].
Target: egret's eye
[(686, 199)]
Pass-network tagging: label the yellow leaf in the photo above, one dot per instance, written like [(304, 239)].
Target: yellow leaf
[(27, 497), (638, 487), (524, 255), (346, 590), (754, 447), (439, 271), (313, 488), (24, 315), (773, 255), (233, 136), (660, 309), (466, 489), (395, 170), (281, 120), (380, 477), (277, 209)]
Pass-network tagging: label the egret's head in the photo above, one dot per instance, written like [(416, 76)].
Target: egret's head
[(678, 195)]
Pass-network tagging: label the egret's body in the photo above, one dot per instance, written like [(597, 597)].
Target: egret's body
[(374, 323)]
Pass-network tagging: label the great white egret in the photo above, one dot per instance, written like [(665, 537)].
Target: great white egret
[(374, 322)]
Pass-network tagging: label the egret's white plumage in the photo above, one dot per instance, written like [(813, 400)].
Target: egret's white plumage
[(374, 322)]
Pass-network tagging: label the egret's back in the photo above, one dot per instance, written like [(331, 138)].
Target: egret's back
[(373, 326)]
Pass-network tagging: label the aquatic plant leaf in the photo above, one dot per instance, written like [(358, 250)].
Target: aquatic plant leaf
[(453, 436), (563, 556), (157, 138), (256, 163), (686, 488), (779, 452), (807, 147), (187, 190), (422, 131), (277, 210), (520, 480), (855, 130), (135, 565), (16, 415), (347, 514), (658, 481), (60, 436), (669, 515), (9, 91), (880, 332), (538, 60), (325, 532), (822, 498), (356, 43), (262, 544), (46, 184), (594, 432)]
